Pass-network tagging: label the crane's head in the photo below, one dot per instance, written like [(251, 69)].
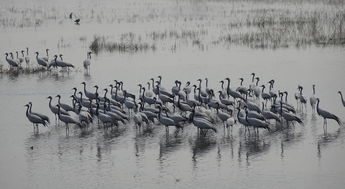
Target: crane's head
[(6, 54), (339, 92), (253, 74), (257, 78), (47, 50), (58, 96), (37, 53), (49, 97), (26, 105), (96, 86), (74, 88), (83, 83)]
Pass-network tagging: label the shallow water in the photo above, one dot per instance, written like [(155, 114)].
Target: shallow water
[(295, 157)]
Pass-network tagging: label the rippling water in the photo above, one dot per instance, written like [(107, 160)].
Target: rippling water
[(301, 156)]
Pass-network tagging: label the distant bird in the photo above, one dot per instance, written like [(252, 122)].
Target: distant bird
[(326, 115), (342, 99), (72, 16), (312, 100), (27, 58), (47, 56), (87, 62)]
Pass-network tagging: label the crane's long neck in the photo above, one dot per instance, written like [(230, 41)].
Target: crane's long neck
[(286, 96), (241, 82), (153, 83), (253, 78), (263, 105), (27, 51), (27, 111), (263, 88), (257, 82), (143, 92), (139, 90), (84, 85), (30, 108), (59, 100), (50, 102), (206, 83), (314, 90), (105, 94), (317, 106), (342, 99)]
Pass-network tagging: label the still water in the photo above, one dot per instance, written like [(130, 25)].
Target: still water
[(297, 157)]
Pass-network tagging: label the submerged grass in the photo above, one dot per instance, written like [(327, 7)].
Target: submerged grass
[(102, 44)]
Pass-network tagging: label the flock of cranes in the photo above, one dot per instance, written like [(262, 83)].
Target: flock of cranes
[(250, 106), (15, 62)]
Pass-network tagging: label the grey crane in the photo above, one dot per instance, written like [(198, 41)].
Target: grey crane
[(87, 62), (41, 61), (54, 109), (11, 62), (256, 123), (268, 114), (64, 106), (312, 100), (44, 117), (34, 119), (326, 115), (202, 124), (66, 119), (166, 121), (89, 94), (342, 99), (233, 93)]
